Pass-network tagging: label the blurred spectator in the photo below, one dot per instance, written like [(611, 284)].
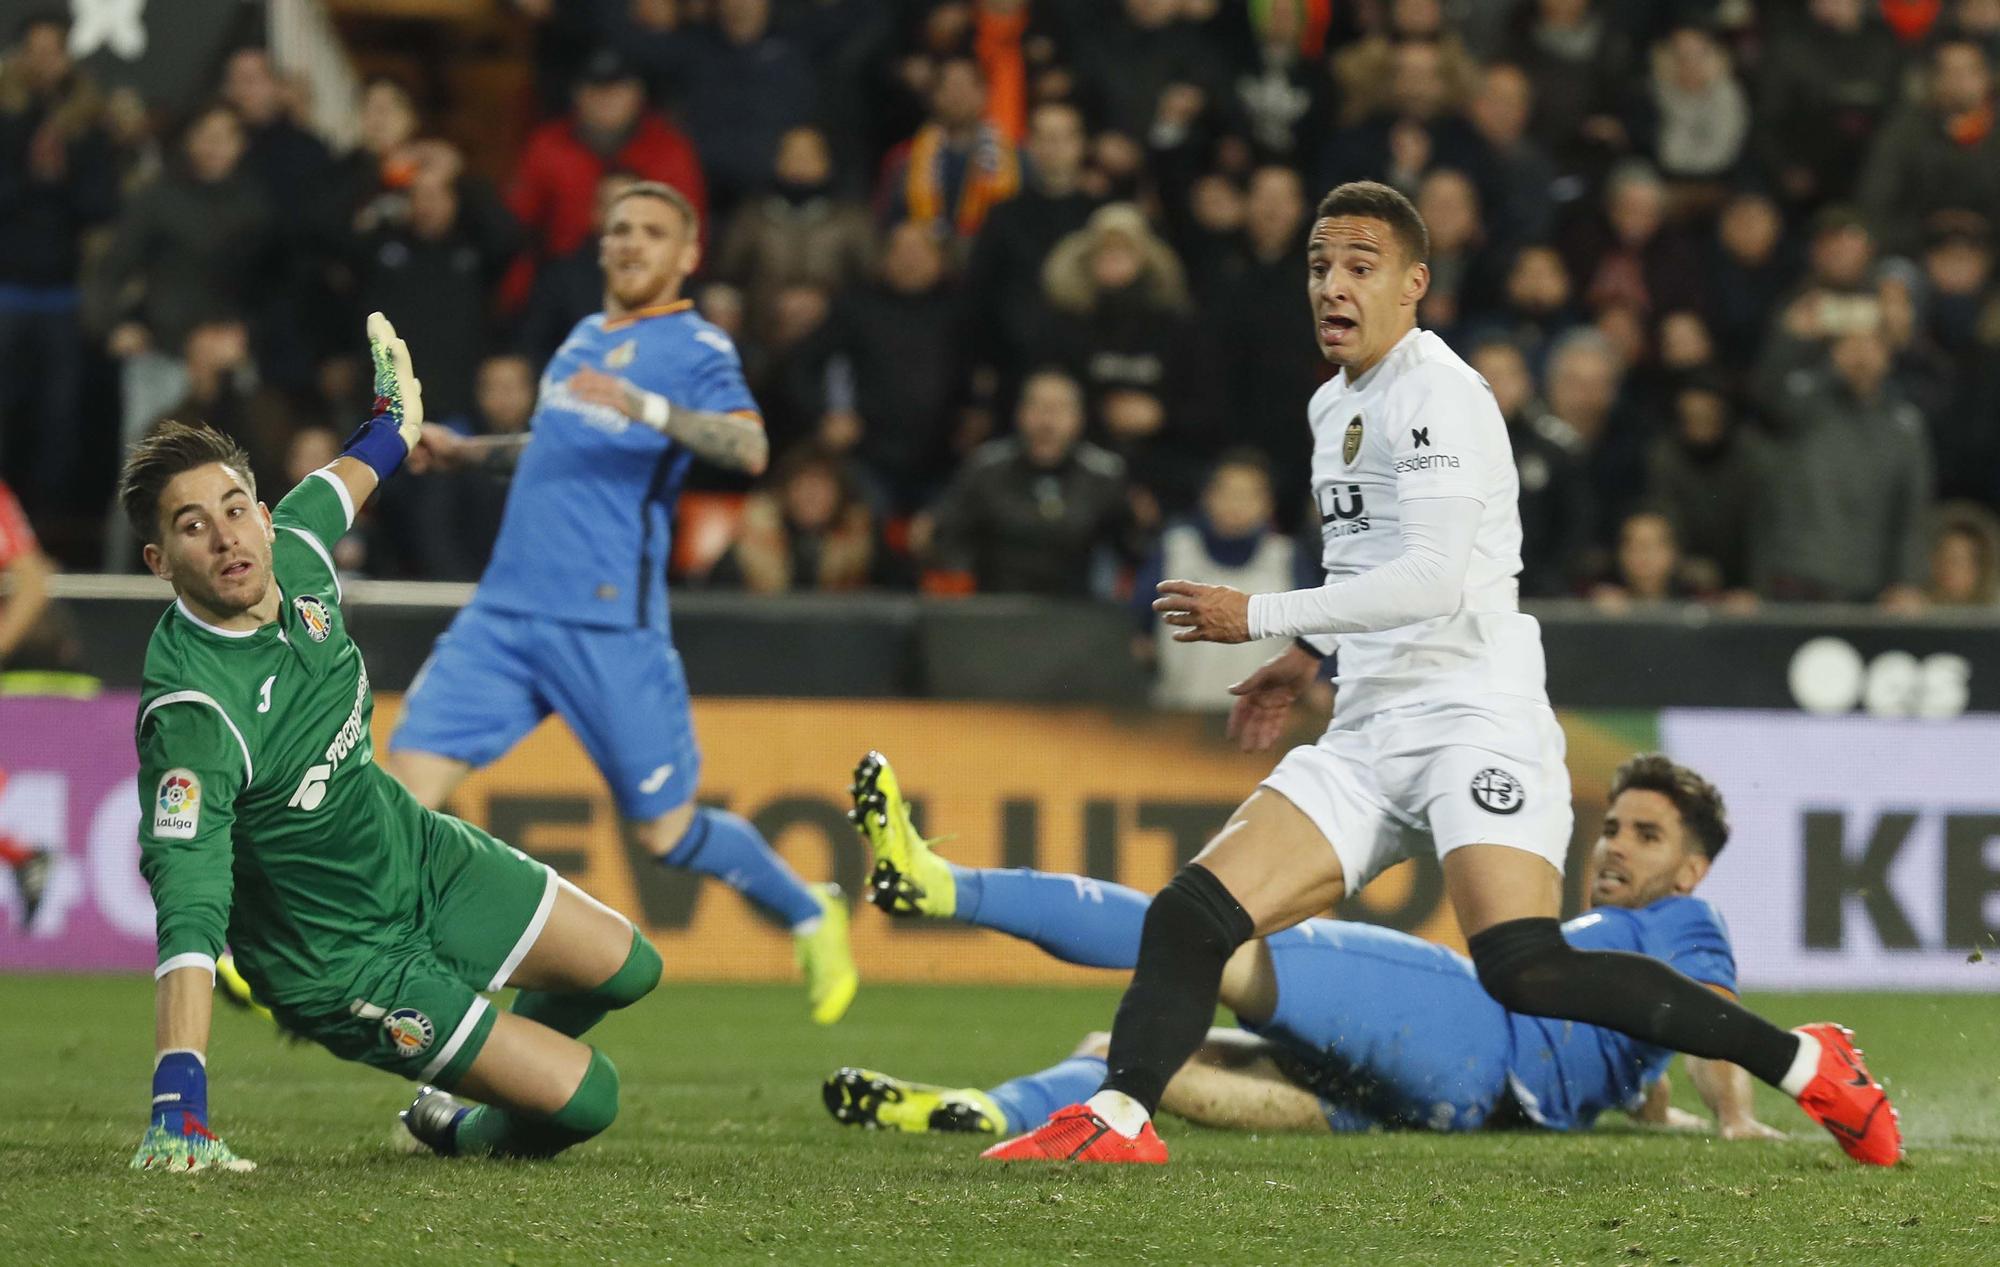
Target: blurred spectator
[(1460, 261), (1961, 328), (1645, 567), (432, 276), (290, 164), (1536, 306), (1584, 388), (1837, 294), (1712, 476), (1365, 70), (1694, 118), (802, 232), (1630, 256), (1131, 57), (1003, 280), (192, 247), (369, 182), (807, 530), (1518, 175), (292, 167), (1847, 518), (1581, 65), (957, 167), (1414, 129), (1231, 541), (225, 390), (570, 287), (889, 368), (1827, 80), (1283, 97), (56, 181), (1964, 560), (1939, 153), (1267, 366), (737, 87), (441, 525), (1747, 270), (554, 194), (1121, 319), (1555, 499), (1979, 20), (1033, 513)]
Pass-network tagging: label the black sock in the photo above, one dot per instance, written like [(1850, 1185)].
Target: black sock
[(1529, 968), (1191, 929)]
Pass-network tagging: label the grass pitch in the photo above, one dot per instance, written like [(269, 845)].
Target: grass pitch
[(723, 1154)]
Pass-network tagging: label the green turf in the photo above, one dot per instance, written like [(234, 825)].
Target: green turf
[(724, 1154)]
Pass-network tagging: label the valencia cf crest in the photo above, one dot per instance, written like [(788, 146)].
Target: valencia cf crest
[(1351, 443), (621, 356), (312, 614)]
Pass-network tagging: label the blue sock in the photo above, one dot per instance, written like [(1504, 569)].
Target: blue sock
[(1029, 1101), (720, 844), (180, 1090), (1078, 920)]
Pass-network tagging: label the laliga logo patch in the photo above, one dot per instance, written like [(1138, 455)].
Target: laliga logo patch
[(1497, 792), (312, 613), (177, 805), (410, 1030), (621, 356)]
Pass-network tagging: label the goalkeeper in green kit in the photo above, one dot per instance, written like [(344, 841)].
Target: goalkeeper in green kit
[(366, 922)]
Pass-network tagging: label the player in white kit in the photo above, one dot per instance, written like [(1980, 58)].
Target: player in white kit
[(1443, 738)]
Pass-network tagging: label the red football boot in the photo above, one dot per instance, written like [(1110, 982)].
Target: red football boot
[(1077, 1134), (1849, 1103)]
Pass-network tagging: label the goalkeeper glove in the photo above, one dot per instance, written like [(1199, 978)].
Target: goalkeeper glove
[(386, 439), (178, 1137)]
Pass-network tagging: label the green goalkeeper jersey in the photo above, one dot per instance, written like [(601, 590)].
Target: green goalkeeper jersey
[(265, 822)]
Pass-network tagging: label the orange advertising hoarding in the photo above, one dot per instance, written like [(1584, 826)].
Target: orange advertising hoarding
[(1124, 798)]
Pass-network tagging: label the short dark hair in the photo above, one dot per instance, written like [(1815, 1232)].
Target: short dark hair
[(1377, 201), (1702, 812), (665, 193), (48, 15), (171, 449), (1243, 458)]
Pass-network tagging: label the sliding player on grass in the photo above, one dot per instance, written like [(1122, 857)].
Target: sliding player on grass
[(366, 922), (571, 615), (1345, 1025)]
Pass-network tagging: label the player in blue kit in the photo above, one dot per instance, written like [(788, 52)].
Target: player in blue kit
[(1347, 1025), (571, 614)]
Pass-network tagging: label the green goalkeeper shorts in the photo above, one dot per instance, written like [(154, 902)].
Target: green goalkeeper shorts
[(415, 1004)]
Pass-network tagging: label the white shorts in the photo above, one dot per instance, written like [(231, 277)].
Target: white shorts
[(1434, 777)]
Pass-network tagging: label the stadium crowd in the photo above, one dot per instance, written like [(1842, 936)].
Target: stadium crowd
[(1018, 283)]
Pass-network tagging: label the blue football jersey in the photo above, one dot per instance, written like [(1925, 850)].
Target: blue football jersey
[(1564, 1073), (587, 529)]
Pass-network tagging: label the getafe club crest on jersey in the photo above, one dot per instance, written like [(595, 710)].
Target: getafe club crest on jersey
[(312, 613), (1351, 443), (621, 356)]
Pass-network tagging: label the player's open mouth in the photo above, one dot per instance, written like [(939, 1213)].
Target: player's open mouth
[(239, 568), (1335, 329), (1609, 879)]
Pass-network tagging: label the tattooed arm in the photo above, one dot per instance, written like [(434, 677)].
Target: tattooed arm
[(443, 449), (734, 441)]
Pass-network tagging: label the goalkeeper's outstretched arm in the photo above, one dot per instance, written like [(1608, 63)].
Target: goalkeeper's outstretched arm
[(383, 442)]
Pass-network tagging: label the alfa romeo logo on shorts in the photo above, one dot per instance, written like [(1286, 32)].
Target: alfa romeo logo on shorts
[(1497, 792), (410, 1030)]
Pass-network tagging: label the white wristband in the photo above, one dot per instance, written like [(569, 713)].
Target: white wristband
[(653, 410)]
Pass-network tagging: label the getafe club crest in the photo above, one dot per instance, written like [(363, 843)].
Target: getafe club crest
[(312, 614), (621, 356), (410, 1030), (1351, 444)]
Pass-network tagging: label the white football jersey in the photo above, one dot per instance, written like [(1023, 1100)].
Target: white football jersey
[(1420, 424)]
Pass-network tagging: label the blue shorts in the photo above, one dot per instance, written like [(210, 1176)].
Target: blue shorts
[(1391, 1033), (495, 675)]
